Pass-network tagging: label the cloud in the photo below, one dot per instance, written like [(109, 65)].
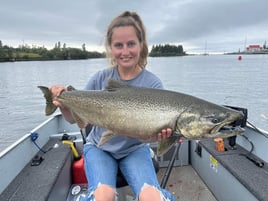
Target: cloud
[(214, 21), (224, 24)]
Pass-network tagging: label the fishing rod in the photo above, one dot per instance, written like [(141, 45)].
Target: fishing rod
[(171, 163)]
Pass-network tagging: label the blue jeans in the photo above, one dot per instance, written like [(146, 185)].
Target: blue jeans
[(137, 168)]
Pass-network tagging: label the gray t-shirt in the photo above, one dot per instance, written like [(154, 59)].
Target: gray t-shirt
[(119, 146)]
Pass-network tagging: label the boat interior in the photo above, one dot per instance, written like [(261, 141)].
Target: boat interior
[(43, 166)]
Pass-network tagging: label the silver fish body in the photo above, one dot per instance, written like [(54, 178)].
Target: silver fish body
[(143, 112)]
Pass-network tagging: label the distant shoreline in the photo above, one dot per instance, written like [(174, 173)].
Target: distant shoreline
[(40, 59), (47, 59), (254, 53)]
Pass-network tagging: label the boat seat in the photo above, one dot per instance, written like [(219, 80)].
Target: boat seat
[(48, 181), (253, 177)]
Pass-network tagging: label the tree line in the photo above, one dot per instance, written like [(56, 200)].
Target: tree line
[(167, 50), (62, 52), (59, 52)]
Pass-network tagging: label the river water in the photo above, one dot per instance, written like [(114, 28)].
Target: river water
[(221, 79)]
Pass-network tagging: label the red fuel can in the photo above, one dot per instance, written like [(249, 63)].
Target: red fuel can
[(78, 171)]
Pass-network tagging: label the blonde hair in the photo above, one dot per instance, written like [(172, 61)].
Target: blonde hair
[(128, 18)]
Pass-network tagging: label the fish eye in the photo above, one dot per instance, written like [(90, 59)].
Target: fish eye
[(215, 120)]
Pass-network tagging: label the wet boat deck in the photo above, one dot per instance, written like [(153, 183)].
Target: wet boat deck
[(184, 183)]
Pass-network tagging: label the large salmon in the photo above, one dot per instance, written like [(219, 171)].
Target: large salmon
[(143, 112)]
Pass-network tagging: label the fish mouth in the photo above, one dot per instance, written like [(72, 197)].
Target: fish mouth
[(229, 131), (231, 126), (225, 130)]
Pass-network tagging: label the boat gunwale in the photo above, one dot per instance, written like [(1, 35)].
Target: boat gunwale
[(24, 137)]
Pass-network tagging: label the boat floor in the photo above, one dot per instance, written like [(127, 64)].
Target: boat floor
[(184, 183)]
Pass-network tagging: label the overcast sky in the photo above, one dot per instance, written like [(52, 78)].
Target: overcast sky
[(218, 25)]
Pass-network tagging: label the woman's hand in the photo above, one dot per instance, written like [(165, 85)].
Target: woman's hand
[(165, 133), (56, 92)]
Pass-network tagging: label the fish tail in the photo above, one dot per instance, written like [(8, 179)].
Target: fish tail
[(50, 107)]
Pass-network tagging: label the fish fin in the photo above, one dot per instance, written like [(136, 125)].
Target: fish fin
[(107, 135), (114, 84), (79, 121), (165, 145), (50, 107)]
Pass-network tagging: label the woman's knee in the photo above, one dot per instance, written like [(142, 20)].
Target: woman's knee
[(150, 193), (104, 193)]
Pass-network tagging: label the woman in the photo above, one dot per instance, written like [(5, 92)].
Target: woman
[(127, 49)]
